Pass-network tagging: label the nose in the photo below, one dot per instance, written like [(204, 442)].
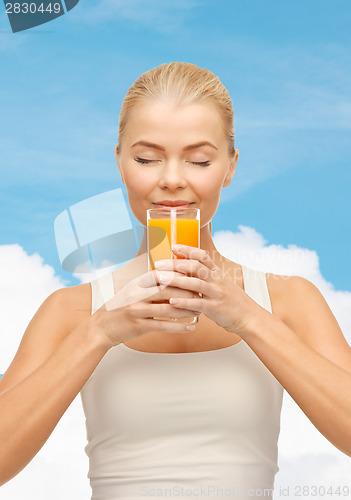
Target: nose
[(173, 175)]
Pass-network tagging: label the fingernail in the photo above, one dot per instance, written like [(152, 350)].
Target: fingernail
[(163, 278), (178, 249), (190, 327), (160, 264)]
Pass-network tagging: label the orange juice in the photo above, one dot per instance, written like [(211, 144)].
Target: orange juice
[(162, 233)]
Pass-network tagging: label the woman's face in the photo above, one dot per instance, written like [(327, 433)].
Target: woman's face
[(175, 153)]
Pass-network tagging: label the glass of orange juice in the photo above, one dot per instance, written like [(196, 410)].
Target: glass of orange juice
[(167, 226)]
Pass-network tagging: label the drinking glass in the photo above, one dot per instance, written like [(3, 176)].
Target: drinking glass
[(167, 226)]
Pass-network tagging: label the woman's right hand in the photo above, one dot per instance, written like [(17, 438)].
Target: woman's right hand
[(131, 312)]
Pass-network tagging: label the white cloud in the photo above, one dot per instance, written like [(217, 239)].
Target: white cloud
[(25, 283), (250, 248), (305, 456), (316, 472)]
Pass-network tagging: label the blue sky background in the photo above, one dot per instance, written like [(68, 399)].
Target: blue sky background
[(285, 64)]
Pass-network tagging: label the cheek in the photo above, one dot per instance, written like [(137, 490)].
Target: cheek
[(137, 180), (208, 186)]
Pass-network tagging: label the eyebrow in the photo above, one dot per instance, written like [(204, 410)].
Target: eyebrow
[(161, 148)]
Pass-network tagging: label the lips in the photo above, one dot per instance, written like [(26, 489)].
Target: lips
[(173, 203)]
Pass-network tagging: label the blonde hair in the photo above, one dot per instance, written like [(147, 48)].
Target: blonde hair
[(179, 83)]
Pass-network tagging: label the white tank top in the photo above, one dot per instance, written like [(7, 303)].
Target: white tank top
[(188, 425)]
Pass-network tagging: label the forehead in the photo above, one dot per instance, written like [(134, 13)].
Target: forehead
[(187, 123)]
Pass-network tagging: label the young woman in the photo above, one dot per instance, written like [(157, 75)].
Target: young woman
[(170, 411)]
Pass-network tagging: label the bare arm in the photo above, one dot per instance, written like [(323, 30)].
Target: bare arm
[(59, 350), (308, 354), (32, 400)]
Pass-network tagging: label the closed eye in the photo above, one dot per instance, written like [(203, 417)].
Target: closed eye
[(201, 163), (144, 161)]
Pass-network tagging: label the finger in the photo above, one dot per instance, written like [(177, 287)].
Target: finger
[(145, 296), (185, 282), (132, 292), (184, 267), (150, 279), (195, 305), (159, 279), (161, 311), (169, 291), (166, 326), (194, 253)]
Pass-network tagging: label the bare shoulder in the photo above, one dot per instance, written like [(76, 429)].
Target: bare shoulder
[(293, 300), (74, 302), (60, 313), (292, 294), (301, 306), (278, 288)]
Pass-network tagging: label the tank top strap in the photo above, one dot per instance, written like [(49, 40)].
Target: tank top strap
[(255, 284), (102, 290)]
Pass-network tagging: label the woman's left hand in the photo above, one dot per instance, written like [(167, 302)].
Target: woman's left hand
[(221, 299)]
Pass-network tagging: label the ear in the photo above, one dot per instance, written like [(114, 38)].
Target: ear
[(119, 163), (231, 169)]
